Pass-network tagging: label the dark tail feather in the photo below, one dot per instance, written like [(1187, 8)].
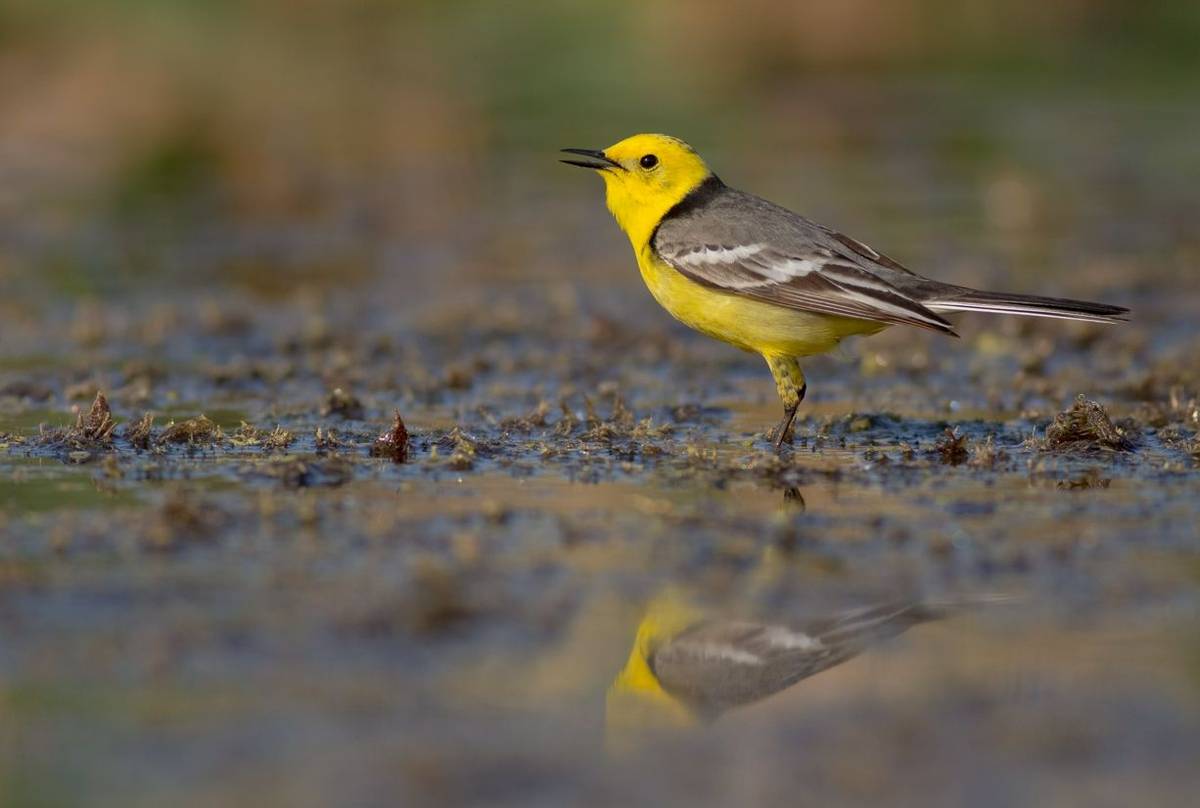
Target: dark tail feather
[(1028, 305)]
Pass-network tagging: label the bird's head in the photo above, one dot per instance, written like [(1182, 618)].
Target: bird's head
[(636, 703), (644, 176)]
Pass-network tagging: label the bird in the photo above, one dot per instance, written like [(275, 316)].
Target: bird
[(753, 274), (687, 667)]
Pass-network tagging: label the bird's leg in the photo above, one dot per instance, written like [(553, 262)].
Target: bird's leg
[(783, 432), (789, 379)]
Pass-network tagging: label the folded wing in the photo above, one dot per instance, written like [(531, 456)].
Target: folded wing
[(716, 665), (741, 244), (746, 246)]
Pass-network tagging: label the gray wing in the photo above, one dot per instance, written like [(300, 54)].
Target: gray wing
[(744, 245), (720, 664)]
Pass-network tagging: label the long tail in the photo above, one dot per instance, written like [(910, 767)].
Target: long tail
[(1028, 305)]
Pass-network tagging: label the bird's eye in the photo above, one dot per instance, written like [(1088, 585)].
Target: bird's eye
[(648, 161)]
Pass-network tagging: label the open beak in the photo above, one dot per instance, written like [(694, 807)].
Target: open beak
[(599, 160)]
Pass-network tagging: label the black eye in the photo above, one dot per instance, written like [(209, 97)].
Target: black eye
[(648, 161)]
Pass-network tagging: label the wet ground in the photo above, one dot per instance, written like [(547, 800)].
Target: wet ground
[(215, 579)]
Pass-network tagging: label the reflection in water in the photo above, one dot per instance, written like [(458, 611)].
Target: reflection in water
[(687, 668), (793, 498)]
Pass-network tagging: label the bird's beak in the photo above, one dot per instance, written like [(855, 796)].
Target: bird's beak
[(599, 160)]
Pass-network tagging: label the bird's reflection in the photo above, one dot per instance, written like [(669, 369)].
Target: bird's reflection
[(688, 667)]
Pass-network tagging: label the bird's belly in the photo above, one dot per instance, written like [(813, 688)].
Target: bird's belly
[(752, 325)]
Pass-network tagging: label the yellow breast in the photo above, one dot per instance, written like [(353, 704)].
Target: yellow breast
[(751, 325)]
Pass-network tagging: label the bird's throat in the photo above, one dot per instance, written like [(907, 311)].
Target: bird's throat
[(637, 214), (640, 208)]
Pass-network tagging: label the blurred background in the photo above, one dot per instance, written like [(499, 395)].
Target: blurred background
[(266, 149), (298, 216)]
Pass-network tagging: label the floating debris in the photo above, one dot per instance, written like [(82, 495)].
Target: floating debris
[(140, 432), (97, 426), (462, 458), (620, 426), (278, 439), (986, 455), (952, 447), (93, 430), (344, 405), (1085, 427), (193, 431), (567, 423), (393, 443), (246, 435), (646, 429), (328, 440)]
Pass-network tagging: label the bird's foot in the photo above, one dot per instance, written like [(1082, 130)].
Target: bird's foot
[(779, 437), (784, 432)]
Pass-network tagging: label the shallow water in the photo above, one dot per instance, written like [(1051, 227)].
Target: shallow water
[(321, 625)]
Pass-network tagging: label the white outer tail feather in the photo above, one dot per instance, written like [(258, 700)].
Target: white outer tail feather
[(1030, 306), (1027, 311)]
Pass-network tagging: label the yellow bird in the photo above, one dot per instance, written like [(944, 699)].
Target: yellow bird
[(688, 667), (758, 276)]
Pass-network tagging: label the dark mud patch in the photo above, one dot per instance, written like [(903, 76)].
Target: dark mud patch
[(1087, 428), (296, 471), (392, 443)]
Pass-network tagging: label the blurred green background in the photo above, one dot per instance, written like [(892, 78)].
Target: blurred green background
[(272, 146)]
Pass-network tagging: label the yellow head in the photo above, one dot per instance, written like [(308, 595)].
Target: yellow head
[(636, 702), (644, 176)]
